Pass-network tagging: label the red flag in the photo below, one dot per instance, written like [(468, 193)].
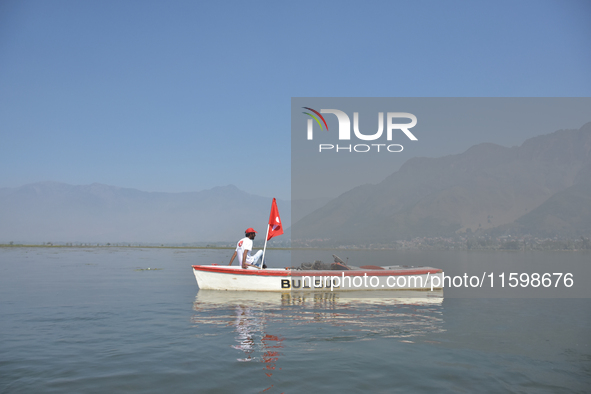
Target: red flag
[(275, 226)]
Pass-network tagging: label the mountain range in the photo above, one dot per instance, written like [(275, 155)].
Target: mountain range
[(538, 188), (541, 188), (59, 212)]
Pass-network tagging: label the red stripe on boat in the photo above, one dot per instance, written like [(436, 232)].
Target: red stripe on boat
[(383, 272), (241, 271)]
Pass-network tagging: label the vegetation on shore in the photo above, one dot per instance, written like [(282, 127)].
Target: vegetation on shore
[(438, 243)]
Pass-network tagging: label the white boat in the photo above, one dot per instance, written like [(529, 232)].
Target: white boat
[(365, 278)]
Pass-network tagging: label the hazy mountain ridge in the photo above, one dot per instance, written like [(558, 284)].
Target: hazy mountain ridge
[(565, 214), (530, 189), (58, 212), (485, 187)]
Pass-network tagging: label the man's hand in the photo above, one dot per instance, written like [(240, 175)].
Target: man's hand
[(244, 263)]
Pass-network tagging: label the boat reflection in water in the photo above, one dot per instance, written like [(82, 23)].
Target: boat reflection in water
[(351, 315), (258, 323)]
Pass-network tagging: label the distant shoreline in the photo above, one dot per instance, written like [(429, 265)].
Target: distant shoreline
[(124, 246), (343, 249), (212, 247)]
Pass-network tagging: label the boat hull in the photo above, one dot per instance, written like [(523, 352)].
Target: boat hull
[(213, 277)]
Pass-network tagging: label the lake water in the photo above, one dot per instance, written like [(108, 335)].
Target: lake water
[(96, 320)]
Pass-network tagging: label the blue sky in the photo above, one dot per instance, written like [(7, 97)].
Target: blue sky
[(187, 95)]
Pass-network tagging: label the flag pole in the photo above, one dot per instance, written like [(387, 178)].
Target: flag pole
[(265, 247)]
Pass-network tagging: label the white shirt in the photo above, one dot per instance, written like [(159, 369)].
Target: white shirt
[(242, 245)]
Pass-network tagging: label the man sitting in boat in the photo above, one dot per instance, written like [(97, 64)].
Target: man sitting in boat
[(243, 248)]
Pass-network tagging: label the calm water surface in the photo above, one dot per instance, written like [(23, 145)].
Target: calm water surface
[(96, 320)]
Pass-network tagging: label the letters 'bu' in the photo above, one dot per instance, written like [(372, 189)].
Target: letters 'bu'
[(345, 125)]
